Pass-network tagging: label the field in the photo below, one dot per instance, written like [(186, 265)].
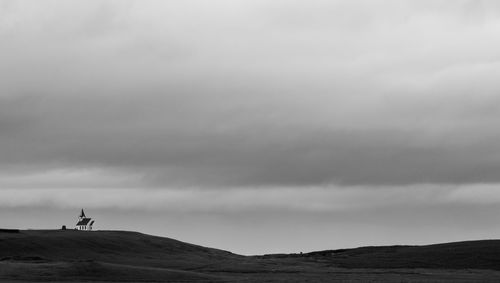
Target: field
[(119, 256)]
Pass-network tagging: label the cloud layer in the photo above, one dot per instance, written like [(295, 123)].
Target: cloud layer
[(253, 94), (248, 93)]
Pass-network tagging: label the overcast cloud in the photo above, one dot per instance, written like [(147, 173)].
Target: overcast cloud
[(204, 97)]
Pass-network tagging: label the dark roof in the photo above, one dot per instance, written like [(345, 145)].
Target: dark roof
[(84, 221)]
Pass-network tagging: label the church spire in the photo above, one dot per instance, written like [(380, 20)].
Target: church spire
[(82, 214)]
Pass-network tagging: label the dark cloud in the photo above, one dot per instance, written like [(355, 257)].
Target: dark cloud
[(252, 94), (184, 141)]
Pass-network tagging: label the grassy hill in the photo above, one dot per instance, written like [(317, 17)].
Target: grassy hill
[(103, 255), (57, 255), (484, 254), (106, 246)]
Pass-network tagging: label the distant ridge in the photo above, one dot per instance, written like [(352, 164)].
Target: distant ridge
[(478, 254)]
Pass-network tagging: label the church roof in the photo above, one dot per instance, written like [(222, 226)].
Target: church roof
[(84, 221)]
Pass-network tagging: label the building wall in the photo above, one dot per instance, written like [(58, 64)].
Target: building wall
[(83, 228)]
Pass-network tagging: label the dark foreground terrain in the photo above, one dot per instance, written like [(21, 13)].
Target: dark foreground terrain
[(73, 256)]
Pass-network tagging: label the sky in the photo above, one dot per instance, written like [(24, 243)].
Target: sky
[(253, 126)]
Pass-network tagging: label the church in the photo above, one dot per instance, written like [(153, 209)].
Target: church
[(84, 223)]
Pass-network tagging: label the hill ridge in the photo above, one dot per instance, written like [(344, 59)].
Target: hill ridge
[(69, 255)]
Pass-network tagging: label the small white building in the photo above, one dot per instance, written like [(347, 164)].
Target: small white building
[(84, 223)]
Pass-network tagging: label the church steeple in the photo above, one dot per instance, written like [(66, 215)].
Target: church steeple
[(82, 214)]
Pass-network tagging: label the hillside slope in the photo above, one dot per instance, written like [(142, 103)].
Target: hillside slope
[(107, 246), (70, 255), (483, 254), (119, 256)]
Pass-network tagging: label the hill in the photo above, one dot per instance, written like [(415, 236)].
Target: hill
[(102, 255), (106, 246), (483, 254), (57, 255)]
